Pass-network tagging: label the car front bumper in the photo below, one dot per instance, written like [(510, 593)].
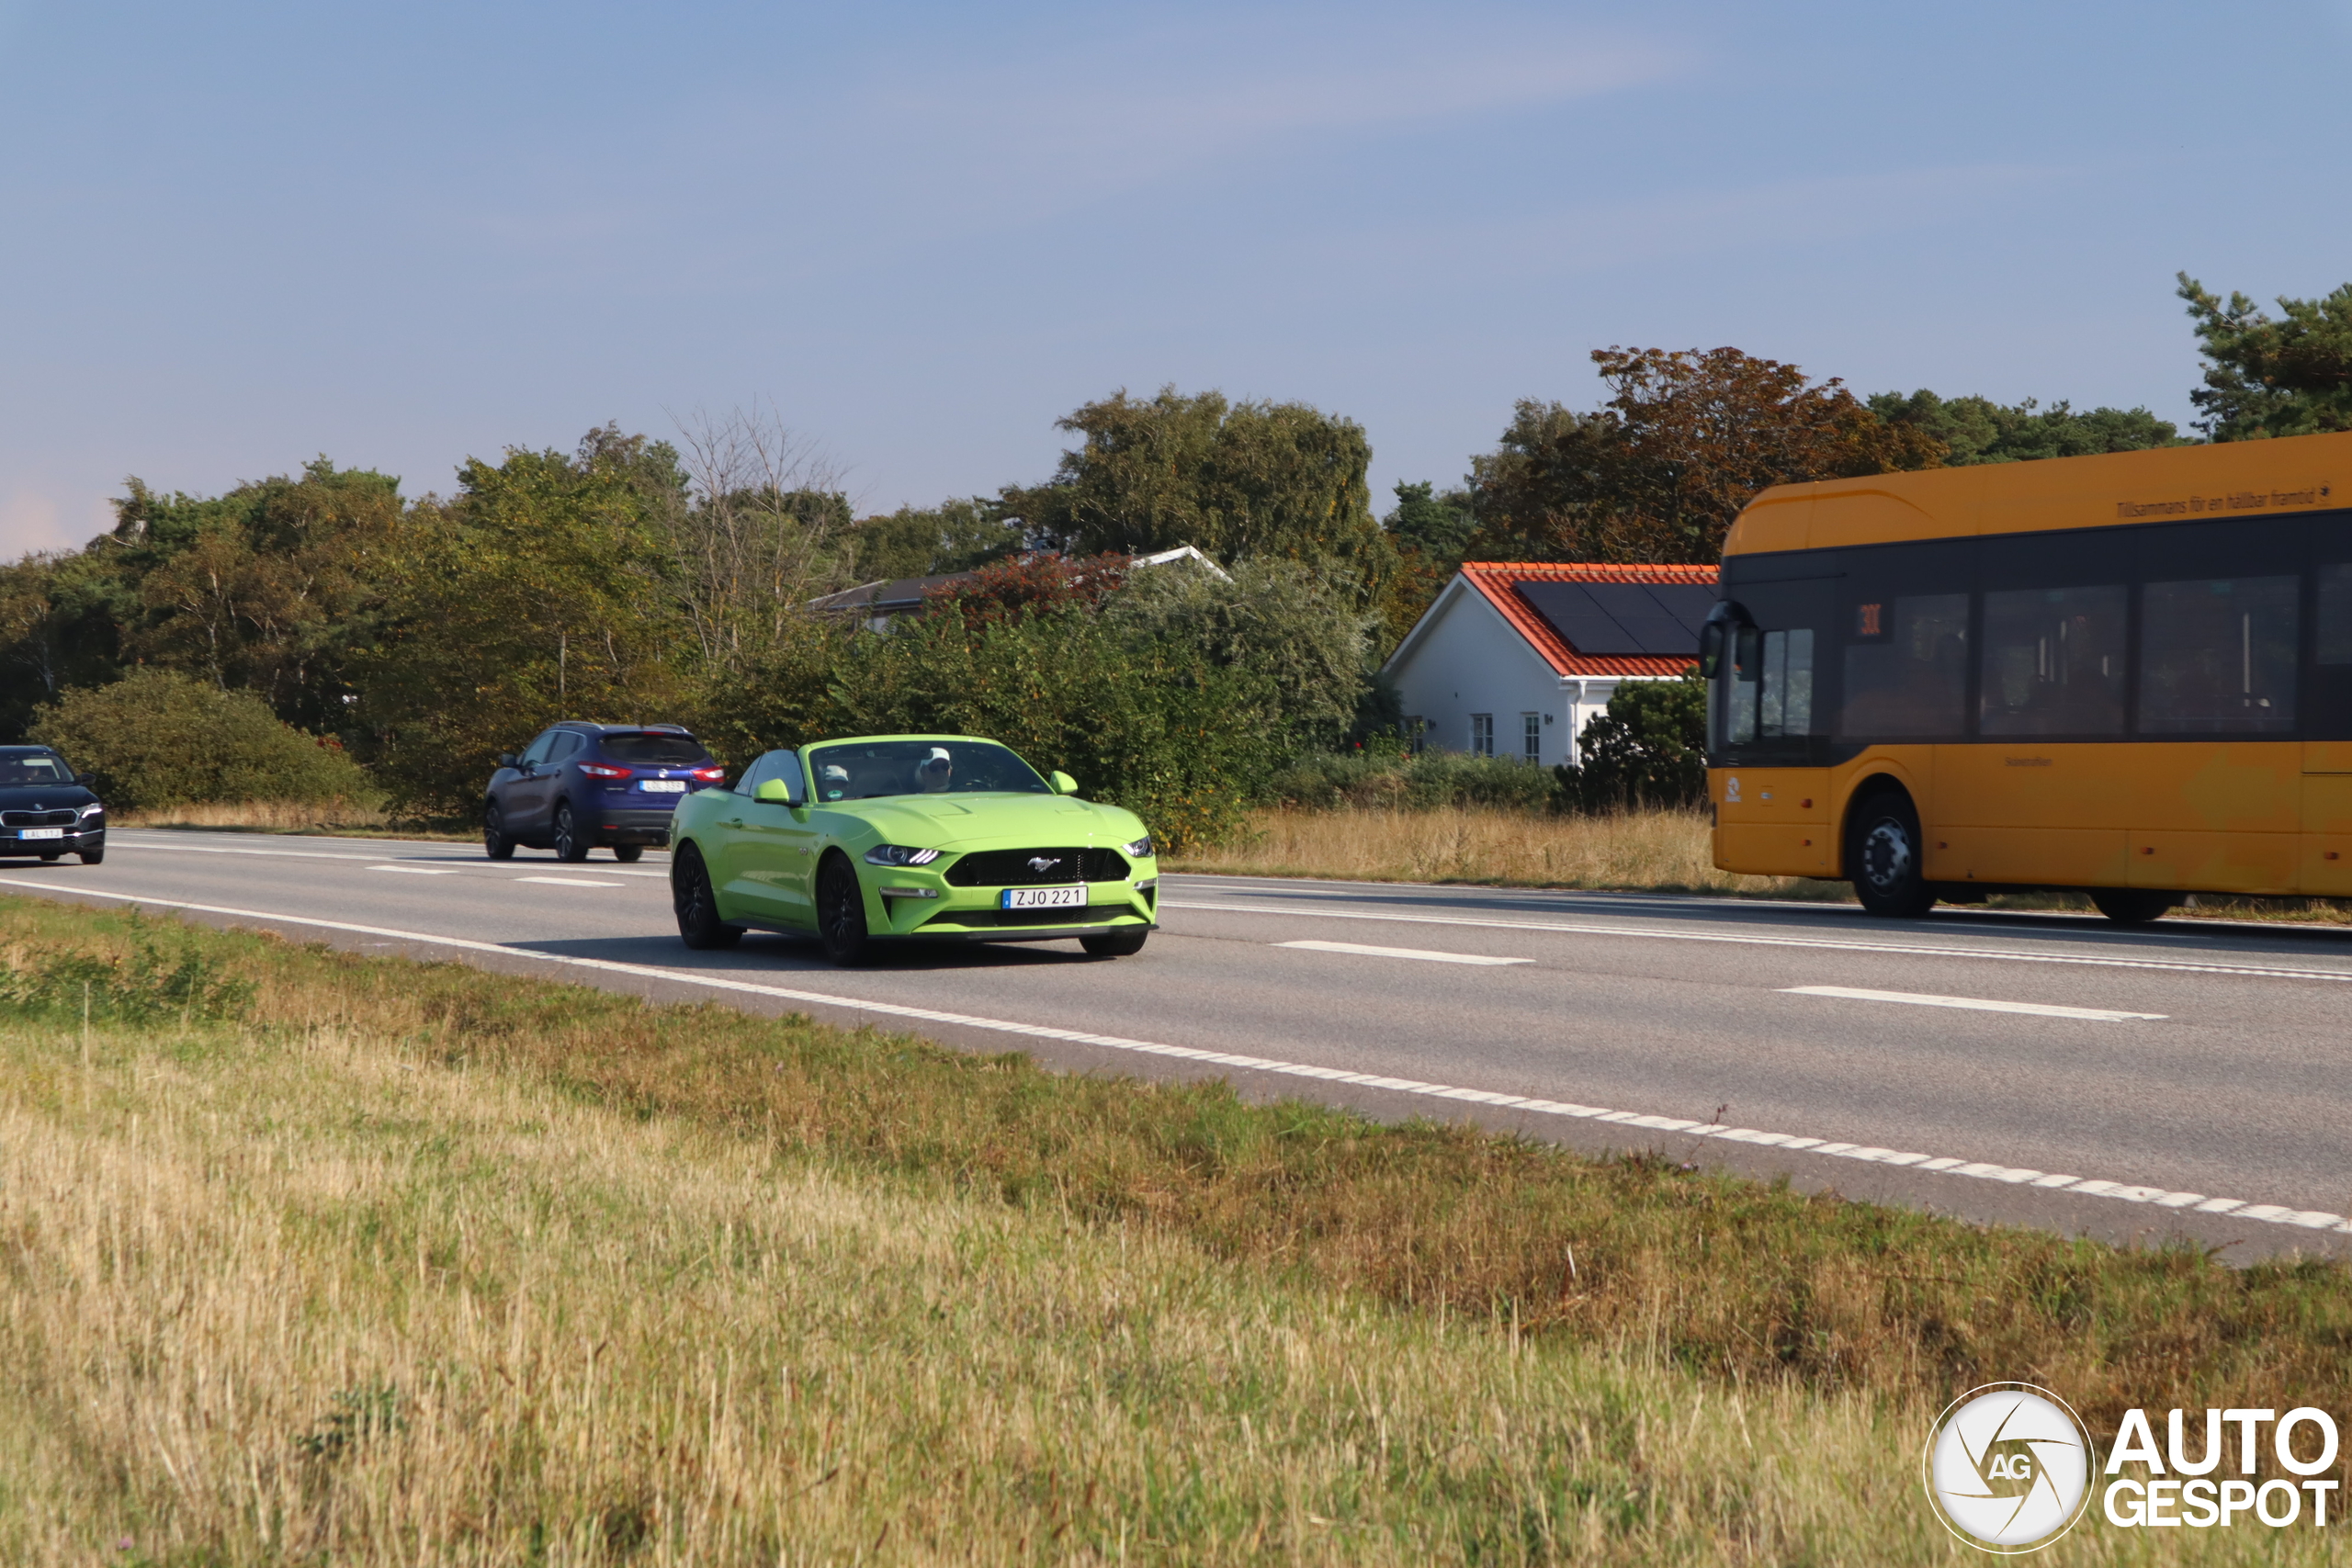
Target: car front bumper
[(77, 839)]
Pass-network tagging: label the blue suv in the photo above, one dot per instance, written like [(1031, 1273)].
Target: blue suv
[(580, 785)]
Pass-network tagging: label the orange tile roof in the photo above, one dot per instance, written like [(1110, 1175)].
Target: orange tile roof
[(1496, 578)]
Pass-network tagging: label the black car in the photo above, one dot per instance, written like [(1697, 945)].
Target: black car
[(47, 809), (581, 785)]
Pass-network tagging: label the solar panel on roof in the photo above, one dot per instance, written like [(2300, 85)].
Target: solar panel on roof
[(1622, 619)]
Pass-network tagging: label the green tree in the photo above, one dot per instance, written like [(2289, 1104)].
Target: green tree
[(61, 626), (2269, 376), (1439, 527), (1978, 430), (1649, 748), (954, 536), (1240, 481), (1659, 471), (545, 590), (1278, 619), (158, 738)]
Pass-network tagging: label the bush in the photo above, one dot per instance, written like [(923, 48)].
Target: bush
[(1431, 782), (1649, 748), (158, 739)]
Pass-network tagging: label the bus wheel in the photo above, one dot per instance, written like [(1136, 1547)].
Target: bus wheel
[(1883, 853), (2132, 906)]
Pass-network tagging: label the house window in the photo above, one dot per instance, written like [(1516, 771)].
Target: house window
[(1532, 735), (1482, 735), (1415, 731)]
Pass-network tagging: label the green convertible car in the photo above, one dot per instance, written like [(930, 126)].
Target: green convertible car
[(886, 836)]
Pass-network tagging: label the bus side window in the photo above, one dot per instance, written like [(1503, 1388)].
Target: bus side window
[(2053, 661), (2217, 656), (1747, 666), (1906, 672), (1785, 690), (2335, 613)]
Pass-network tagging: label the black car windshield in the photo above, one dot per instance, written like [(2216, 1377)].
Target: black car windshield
[(654, 750), (867, 770), (34, 768)]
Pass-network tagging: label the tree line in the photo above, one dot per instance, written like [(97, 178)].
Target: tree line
[(640, 579)]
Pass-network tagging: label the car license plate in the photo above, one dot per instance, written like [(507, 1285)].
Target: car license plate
[(662, 786), (1044, 898), (40, 833)]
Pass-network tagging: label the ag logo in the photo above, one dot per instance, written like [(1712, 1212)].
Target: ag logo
[(2008, 1467)]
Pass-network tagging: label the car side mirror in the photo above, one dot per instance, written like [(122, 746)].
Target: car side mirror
[(1063, 784), (87, 781), (506, 759), (775, 792)]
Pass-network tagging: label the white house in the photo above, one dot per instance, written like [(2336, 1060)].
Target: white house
[(1514, 657)]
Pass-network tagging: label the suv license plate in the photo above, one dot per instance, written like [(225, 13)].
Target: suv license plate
[(662, 786), (1044, 898), (40, 833)]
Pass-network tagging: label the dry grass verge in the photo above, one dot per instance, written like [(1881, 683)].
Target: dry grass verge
[(337, 818), (311, 1256), (1634, 850)]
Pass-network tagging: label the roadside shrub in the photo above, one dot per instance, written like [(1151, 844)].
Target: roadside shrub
[(157, 738), (1649, 748), (146, 986), (1377, 777)]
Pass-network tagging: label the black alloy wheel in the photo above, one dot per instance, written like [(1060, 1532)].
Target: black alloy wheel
[(92, 857), (497, 842), (2132, 906), (1885, 858), (840, 911), (569, 842), (1126, 943), (700, 926)]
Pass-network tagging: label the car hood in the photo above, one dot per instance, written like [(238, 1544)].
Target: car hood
[(43, 798), (936, 822)]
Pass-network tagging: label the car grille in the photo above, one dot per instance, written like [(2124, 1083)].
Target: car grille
[(38, 818), (1093, 915), (1011, 868)]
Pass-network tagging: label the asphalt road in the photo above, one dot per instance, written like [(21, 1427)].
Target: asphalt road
[(2184, 1080)]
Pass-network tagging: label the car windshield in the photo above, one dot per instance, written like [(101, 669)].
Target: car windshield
[(34, 768), (867, 770), (654, 750)]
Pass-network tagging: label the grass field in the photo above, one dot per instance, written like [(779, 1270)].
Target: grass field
[(310, 1258)]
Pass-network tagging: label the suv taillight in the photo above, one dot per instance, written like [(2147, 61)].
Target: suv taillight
[(708, 775), (603, 771)]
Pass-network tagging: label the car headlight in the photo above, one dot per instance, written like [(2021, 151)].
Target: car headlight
[(94, 808), (898, 854), (1139, 850)]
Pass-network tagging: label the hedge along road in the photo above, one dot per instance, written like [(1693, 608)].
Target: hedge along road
[(2188, 1080)]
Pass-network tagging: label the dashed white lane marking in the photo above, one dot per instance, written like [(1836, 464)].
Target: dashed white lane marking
[(1903, 950), (570, 882), (2236, 1207), (1978, 1004), (421, 870), (1421, 953)]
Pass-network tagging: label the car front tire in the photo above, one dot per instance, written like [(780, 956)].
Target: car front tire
[(92, 857), (691, 895), (1124, 943), (497, 842), (840, 911), (571, 844), (629, 855)]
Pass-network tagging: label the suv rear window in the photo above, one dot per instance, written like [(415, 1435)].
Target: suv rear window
[(654, 750)]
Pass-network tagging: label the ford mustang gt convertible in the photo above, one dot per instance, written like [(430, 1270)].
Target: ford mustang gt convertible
[(898, 836)]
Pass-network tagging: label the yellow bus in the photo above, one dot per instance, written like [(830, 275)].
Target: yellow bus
[(2129, 674)]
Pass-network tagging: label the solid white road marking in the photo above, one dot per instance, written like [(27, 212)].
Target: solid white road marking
[(421, 870), (2006, 955), (1916, 999), (2236, 1207), (451, 854), (570, 882), (1419, 952)]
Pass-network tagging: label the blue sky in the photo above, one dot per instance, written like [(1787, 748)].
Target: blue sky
[(239, 235)]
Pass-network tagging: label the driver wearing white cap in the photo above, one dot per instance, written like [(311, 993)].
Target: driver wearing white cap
[(933, 772)]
